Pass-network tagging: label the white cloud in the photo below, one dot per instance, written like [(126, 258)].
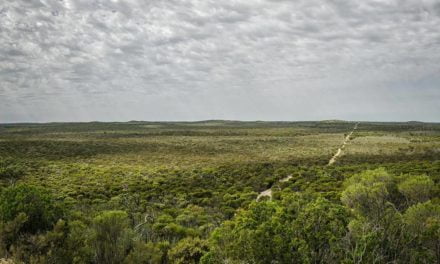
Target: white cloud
[(242, 59)]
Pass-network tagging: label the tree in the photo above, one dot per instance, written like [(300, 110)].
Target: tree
[(298, 229), (422, 222), (368, 193), (417, 189), (144, 253), (10, 170), (188, 250), (255, 235), (36, 203), (78, 242), (376, 232), (319, 230), (10, 232), (112, 237)]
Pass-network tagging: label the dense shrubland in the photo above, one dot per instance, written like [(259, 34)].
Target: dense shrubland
[(185, 193)]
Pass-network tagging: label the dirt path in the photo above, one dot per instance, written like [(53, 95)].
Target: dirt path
[(268, 192), (339, 152)]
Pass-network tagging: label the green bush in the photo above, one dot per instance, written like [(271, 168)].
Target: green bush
[(10, 170), (112, 237), (298, 229), (40, 207), (188, 251), (417, 189)]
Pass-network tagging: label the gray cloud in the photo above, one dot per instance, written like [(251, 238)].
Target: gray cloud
[(235, 59)]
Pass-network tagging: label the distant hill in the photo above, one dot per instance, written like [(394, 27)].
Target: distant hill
[(334, 121)]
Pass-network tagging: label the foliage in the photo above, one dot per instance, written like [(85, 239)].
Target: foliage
[(188, 250), (39, 206), (307, 232), (417, 189), (145, 253), (384, 229), (422, 222), (111, 237), (10, 170), (169, 192)]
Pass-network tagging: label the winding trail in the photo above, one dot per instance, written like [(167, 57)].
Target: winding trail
[(268, 192), (339, 152)]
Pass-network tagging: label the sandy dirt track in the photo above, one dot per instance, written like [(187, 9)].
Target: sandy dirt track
[(339, 152), (268, 192)]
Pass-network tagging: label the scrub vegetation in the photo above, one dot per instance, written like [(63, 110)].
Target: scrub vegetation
[(169, 192)]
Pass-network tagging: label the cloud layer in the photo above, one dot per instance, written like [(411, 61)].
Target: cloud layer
[(72, 60)]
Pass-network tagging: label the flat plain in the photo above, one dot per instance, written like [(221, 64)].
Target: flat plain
[(190, 177)]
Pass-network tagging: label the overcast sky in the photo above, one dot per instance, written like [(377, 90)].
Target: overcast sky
[(83, 60)]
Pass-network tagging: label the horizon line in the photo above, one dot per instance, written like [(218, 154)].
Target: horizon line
[(216, 120)]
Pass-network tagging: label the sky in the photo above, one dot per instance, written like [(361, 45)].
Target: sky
[(164, 60)]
